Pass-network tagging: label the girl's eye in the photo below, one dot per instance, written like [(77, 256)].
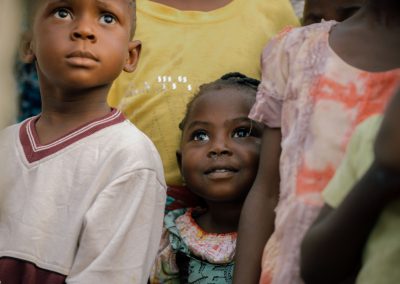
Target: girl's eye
[(62, 13), (200, 136), (107, 19), (241, 132)]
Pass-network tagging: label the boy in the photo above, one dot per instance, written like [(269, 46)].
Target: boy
[(83, 193)]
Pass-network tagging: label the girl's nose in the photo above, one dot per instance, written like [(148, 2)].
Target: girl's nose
[(219, 148)]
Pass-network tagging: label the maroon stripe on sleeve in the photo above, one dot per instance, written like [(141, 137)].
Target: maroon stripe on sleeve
[(16, 271)]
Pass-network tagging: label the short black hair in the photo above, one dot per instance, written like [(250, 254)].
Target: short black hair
[(231, 80)]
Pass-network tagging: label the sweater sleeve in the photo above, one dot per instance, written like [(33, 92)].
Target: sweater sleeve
[(121, 231)]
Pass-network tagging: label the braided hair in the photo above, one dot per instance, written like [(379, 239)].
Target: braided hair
[(231, 80)]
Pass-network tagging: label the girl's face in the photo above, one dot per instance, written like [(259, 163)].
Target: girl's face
[(220, 146)]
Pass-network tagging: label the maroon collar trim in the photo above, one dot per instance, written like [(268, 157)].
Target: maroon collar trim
[(34, 151)]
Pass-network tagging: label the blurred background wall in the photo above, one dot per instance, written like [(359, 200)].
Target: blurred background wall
[(10, 31)]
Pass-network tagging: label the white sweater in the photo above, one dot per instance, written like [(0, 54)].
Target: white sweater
[(88, 207)]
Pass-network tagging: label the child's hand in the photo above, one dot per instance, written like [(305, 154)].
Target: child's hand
[(387, 144)]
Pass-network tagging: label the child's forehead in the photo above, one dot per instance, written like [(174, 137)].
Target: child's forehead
[(223, 98), (34, 4)]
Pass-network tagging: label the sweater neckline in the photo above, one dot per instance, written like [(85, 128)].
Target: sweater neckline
[(35, 151)]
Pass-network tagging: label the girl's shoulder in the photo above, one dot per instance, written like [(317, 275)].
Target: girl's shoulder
[(291, 37)]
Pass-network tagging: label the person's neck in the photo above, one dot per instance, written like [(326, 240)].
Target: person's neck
[(348, 38), (64, 111), (220, 218), (383, 13), (195, 5)]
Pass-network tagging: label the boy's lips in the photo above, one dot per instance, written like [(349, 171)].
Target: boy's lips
[(82, 58), (82, 54)]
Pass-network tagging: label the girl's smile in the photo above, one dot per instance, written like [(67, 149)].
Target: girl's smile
[(220, 146)]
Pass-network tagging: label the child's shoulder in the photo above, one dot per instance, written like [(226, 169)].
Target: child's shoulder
[(10, 132), (292, 40), (304, 34), (130, 147), (366, 131)]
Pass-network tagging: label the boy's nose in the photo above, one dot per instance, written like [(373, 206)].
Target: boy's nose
[(83, 31), (83, 35)]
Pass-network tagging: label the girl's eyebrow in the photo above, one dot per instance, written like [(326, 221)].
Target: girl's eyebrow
[(198, 123), (242, 118)]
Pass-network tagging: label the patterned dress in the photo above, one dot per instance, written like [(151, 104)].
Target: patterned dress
[(317, 100), (190, 255)]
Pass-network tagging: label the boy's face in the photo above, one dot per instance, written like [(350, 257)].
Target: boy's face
[(82, 44), (339, 10), (220, 146)]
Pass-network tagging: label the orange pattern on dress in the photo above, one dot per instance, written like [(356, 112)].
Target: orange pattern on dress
[(360, 103)]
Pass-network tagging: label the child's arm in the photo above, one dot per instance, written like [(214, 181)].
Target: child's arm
[(332, 248), (258, 215), (121, 231)]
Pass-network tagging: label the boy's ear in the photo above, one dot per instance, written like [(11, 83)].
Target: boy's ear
[(26, 51), (179, 159), (135, 47)]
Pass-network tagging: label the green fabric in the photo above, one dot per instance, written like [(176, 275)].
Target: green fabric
[(199, 272), (381, 256)]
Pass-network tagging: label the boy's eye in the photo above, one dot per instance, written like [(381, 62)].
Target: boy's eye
[(200, 136), (62, 13), (241, 132), (107, 19)]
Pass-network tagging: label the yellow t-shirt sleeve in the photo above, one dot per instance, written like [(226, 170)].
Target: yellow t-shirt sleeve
[(359, 156)]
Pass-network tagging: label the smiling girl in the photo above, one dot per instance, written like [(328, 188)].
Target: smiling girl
[(218, 158)]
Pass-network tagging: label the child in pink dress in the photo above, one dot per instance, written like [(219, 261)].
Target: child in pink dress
[(319, 82)]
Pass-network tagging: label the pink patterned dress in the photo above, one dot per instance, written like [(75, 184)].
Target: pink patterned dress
[(317, 100)]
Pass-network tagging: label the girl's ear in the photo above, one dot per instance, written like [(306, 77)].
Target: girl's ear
[(134, 49), (26, 51), (179, 159)]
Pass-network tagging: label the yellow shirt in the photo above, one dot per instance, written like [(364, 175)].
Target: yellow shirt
[(381, 257), (184, 49)]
